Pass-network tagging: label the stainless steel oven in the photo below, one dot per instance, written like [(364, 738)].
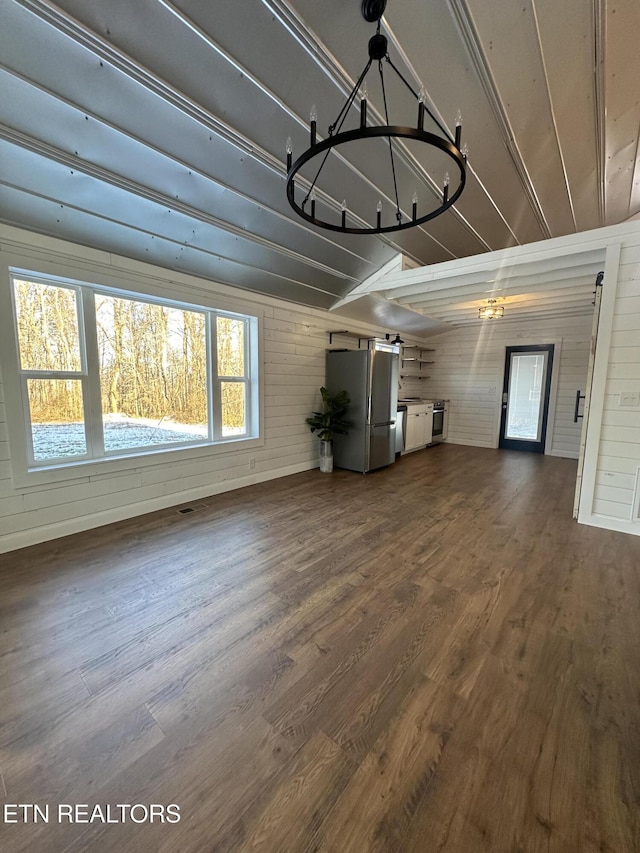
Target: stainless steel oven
[(440, 418)]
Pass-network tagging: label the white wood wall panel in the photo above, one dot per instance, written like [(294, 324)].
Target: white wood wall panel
[(619, 450)]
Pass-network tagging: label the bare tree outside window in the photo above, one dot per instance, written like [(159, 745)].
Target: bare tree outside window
[(153, 373), (146, 361)]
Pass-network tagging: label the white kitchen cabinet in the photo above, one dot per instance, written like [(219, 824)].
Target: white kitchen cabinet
[(419, 426), (414, 431)]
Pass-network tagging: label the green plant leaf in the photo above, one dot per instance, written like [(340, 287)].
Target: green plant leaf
[(331, 421)]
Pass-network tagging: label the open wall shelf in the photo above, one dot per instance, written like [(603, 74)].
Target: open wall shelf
[(413, 355)]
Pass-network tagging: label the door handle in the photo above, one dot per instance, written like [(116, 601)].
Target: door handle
[(579, 397)]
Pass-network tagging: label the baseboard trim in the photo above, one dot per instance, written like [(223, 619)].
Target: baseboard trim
[(609, 523), (25, 538), (470, 443)]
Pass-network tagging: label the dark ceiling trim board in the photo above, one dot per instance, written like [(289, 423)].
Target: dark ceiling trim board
[(464, 21), (43, 149)]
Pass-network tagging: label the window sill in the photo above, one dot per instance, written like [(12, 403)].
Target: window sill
[(86, 469)]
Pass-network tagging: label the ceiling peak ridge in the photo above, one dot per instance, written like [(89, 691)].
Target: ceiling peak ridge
[(464, 21)]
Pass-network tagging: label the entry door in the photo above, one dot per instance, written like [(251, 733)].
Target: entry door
[(525, 397)]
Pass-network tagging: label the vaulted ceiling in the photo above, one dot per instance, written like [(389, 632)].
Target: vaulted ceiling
[(156, 129)]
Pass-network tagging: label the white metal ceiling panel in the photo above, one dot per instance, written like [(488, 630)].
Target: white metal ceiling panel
[(159, 126)]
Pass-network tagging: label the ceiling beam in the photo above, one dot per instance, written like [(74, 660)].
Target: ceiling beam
[(562, 302), (525, 275), (537, 314), (468, 293)]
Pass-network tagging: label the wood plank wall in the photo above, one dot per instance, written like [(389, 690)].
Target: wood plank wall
[(618, 469)]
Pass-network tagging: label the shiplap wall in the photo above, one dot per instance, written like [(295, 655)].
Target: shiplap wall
[(617, 476), (469, 370), (294, 343)]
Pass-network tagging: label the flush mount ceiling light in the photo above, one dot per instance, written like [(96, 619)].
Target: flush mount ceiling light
[(372, 10), (490, 311)]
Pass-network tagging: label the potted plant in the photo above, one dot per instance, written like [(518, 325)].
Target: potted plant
[(328, 423)]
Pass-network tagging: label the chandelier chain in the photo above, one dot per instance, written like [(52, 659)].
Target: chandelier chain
[(342, 115), (393, 164), (415, 95)]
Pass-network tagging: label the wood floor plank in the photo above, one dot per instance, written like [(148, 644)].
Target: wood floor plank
[(433, 657), (386, 791), (298, 805)]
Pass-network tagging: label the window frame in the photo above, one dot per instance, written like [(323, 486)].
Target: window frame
[(98, 459)]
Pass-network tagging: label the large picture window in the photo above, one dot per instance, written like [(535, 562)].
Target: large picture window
[(105, 373)]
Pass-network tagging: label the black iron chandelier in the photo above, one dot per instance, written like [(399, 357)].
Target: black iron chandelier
[(372, 11)]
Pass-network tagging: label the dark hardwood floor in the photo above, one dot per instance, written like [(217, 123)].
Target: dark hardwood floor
[(430, 657)]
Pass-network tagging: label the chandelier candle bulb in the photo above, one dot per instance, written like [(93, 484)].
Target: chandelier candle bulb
[(289, 147), (364, 94), (445, 185), (379, 214), (343, 207), (465, 151), (314, 124), (414, 205), (421, 95), (312, 198)]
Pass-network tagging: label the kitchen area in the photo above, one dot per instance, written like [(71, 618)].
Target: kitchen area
[(386, 422), (420, 423)]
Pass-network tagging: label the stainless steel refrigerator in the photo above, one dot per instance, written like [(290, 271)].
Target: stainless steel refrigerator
[(370, 378)]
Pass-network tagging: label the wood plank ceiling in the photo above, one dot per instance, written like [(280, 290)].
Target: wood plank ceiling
[(157, 129)]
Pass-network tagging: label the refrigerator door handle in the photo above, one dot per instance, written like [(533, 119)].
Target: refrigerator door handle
[(384, 423), (369, 409)]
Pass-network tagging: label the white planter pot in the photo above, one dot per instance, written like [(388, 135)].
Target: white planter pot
[(326, 457)]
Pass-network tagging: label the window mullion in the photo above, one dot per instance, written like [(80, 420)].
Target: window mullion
[(28, 435), (216, 386), (93, 403)]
